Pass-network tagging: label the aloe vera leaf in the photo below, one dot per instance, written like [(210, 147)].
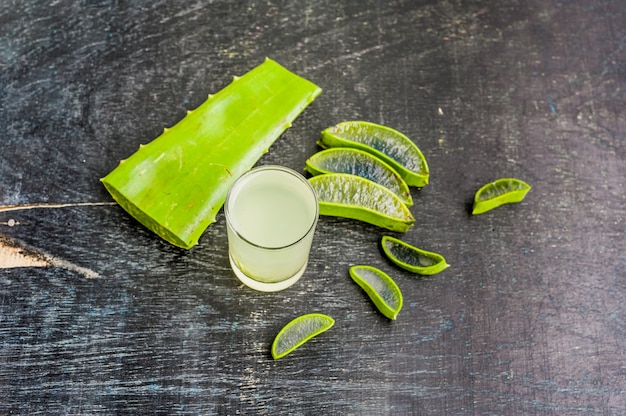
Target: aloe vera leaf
[(176, 184)]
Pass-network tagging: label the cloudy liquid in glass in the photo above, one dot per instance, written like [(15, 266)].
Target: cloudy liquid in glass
[(271, 215)]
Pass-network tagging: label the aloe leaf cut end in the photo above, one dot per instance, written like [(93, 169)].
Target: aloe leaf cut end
[(176, 184)]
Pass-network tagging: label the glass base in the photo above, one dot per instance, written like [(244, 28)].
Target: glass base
[(262, 286)]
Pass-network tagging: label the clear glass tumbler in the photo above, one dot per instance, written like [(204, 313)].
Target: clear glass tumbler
[(271, 213)]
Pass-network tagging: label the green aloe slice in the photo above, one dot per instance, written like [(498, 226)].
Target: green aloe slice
[(412, 258), (299, 331), (387, 144), (176, 184), (499, 192), (381, 289), (350, 196), (360, 163)]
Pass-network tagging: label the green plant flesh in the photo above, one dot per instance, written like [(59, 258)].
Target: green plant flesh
[(499, 192), (387, 144), (360, 163), (412, 258), (299, 331), (381, 289), (350, 196), (176, 184)]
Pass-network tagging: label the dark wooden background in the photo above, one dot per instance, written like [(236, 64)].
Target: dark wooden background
[(530, 318)]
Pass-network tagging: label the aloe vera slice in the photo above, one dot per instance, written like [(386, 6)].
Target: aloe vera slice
[(176, 184), (351, 196), (499, 192), (359, 163), (388, 144), (412, 258), (299, 331), (381, 289)]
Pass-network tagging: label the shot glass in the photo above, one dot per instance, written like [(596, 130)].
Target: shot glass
[(271, 214)]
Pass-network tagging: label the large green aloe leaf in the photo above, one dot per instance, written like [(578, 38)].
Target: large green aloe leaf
[(176, 184)]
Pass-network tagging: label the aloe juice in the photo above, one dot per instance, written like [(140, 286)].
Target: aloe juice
[(271, 215)]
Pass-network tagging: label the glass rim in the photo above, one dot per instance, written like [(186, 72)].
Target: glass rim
[(283, 169)]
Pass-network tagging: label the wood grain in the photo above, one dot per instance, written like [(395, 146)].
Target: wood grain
[(529, 318)]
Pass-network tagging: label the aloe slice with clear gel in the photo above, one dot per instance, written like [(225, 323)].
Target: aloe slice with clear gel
[(381, 289), (388, 144), (360, 163), (499, 192), (412, 258), (299, 331), (350, 196)]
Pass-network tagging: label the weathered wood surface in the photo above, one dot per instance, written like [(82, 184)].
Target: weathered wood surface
[(529, 319)]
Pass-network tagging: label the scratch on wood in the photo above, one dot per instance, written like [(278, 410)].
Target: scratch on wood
[(6, 208), (64, 264), (353, 55), (14, 254)]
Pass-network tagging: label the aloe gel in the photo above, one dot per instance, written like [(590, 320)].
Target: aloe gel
[(176, 184)]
